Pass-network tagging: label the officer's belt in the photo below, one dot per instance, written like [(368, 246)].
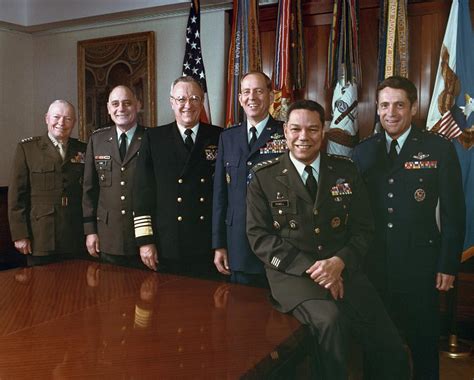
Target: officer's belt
[(53, 200)]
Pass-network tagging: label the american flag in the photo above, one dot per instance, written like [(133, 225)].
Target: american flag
[(193, 64)]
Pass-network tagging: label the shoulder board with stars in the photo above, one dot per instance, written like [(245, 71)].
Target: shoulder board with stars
[(28, 139), (431, 132), (101, 129), (340, 156), (370, 137), (265, 164)]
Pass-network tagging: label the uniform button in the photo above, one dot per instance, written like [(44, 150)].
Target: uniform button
[(391, 180), (431, 241), (320, 247), (203, 180), (390, 195), (122, 197), (390, 225), (180, 180), (123, 212), (201, 217), (122, 169), (122, 183), (180, 218), (390, 210), (179, 199), (317, 230), (315, 212), (249, 163), (280, 212), (421, 179), (201, 199)]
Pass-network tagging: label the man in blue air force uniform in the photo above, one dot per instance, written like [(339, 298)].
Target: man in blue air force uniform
[(241, 147), (407, 172), (309, 221)]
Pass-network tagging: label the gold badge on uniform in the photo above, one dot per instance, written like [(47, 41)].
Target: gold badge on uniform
[(211, 152), (276, 225), (420, 195), (293, 224), (335, 222), (78, 158), (227, 178)]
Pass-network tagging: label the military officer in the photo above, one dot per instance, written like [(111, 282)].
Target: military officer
[(308, 220), (257, 139), (44, 196), (173, 187), (110, 165), (407, 172)]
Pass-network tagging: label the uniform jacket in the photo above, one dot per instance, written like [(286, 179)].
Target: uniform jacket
[(409, 249), (44, 196), (108, 185), (173, 191), (288, 232), (233, 164)]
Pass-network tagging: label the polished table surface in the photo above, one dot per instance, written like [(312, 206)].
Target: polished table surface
[(87, 320)]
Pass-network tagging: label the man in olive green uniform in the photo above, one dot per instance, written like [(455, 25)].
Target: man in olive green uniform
[(108, 181), (309, 221), (44, 196)]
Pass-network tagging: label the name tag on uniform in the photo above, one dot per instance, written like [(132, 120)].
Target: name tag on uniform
[(410, 165), (102, 157), (280, 203)]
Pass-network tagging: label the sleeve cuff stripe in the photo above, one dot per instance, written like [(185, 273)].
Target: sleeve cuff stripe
[(143, 231)]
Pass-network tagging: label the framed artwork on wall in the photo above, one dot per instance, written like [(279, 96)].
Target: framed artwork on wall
[(104, 63)]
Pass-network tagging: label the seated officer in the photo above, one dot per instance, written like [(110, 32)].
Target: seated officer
[(309, 221)]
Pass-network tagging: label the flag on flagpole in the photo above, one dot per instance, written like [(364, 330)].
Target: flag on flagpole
[(193, 64), (451, 110), (343, 72), (393, 39), (244, 54)]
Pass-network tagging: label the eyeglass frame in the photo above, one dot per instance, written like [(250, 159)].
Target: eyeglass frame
[(181, 101)]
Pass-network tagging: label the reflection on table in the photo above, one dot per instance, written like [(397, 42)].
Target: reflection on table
[(85, 319)]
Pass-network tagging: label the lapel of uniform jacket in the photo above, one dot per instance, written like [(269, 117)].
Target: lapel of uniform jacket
[(70, 151), (267, 132), (111, 141), (134, 144), (326, 180), (410, 146), (202, 139), (49, 149), (290, 177)]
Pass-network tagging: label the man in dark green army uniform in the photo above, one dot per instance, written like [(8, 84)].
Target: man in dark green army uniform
[(309, 221), (45, 191)]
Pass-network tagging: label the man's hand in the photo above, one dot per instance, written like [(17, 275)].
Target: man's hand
[(337, 290), (23, 246), (220, 261), (326, 272), (444, 282), (92, 244), (149, 255)]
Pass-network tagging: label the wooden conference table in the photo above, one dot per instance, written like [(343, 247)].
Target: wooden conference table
[(82, 319)]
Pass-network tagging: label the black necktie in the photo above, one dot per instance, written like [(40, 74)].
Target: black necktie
[(392, 154), (188, 141), (123, 145), (253, 137), (311, 184)]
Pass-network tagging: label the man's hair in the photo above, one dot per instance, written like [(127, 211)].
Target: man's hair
[(186, 79), (268, 81), (126, 88), (309, 105), (399, 83), (62, 101)]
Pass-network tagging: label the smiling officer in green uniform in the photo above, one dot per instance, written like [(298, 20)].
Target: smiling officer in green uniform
[(309, 221), (44, 196)]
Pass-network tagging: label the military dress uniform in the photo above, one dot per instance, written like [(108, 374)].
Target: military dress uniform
[(234, 161), (44, 196), (409, 249), (173, 197), (108, 185), (289, 233)]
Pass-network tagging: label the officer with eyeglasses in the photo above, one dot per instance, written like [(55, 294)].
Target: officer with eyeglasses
[(173, 187)]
